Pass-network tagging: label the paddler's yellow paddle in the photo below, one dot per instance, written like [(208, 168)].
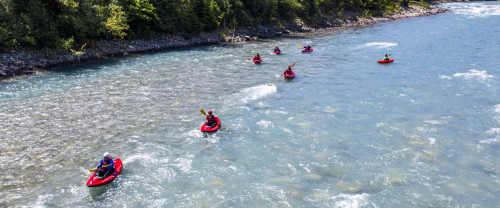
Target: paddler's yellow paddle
[(205, 113), (303, 46), (91, 170), (290, 66)]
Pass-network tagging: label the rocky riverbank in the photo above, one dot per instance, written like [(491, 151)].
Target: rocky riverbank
[(22, 62)]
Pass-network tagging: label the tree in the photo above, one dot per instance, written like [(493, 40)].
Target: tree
[(115, 25)]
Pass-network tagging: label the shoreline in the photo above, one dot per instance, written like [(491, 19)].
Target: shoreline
[(25, 62)]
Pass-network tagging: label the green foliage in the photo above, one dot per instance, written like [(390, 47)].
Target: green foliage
[(67, 24), (115, 25), (141, 17), (207, 11)]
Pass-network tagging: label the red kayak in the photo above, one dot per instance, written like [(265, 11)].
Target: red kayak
[(289, 76), (257, 61), (310, 50), (211, 129), (386, 61), (277, 52), (95, 181)]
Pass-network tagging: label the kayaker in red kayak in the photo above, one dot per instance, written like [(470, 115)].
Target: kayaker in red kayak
[(276, 49), (106, 167), (257, 57), (288, 71), (211, 119), (308, 48)]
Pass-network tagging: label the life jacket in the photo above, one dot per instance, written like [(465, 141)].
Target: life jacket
[(256, 58), (107, 165), (212, 120), (288, 71)]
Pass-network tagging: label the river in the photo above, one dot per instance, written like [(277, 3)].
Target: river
[(423, 131)]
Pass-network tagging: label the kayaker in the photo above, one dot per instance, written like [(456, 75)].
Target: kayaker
[(386, 57), (106, 167), (276, 49), (211, 120), (288, 71), (257, 57), (308, 47)]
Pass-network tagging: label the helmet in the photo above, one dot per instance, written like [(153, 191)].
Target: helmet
[(106, 154), (257, 53), (276, 45), (210, 112)]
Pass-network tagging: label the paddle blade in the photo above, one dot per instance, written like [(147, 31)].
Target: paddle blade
[(313, 45), (292, 64), (263, 57), (249, 59), (300, 46), (223, 128), (203, 112), (91, 170)]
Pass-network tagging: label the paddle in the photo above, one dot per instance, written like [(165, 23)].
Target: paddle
[(290, 66), (251, 58), (205, 113), (91, 170), (303, 46)]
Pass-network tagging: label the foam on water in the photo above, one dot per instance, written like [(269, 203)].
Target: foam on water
[(434, 122), (444, 77), (490, 141), (493, 131), (194, 133), (138, 157), (474, 74), (379, 44), (350, 200), (497, 109), (474, 10), (254, 93), (41, 200), (432, 140), (265, 123), (184, 163), (342, 200)]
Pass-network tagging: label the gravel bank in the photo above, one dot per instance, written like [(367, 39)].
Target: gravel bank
[(24, 62)]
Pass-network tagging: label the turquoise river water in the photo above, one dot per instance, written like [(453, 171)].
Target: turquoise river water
[(423, 131)]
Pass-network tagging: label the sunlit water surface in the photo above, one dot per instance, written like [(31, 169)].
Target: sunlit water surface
[(423, 131)]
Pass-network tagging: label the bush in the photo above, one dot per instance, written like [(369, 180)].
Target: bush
[(67, 23)]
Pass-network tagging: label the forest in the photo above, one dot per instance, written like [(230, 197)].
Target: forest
[(67, 24)]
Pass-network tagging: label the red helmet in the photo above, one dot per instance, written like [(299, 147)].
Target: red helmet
[(210, 112)]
